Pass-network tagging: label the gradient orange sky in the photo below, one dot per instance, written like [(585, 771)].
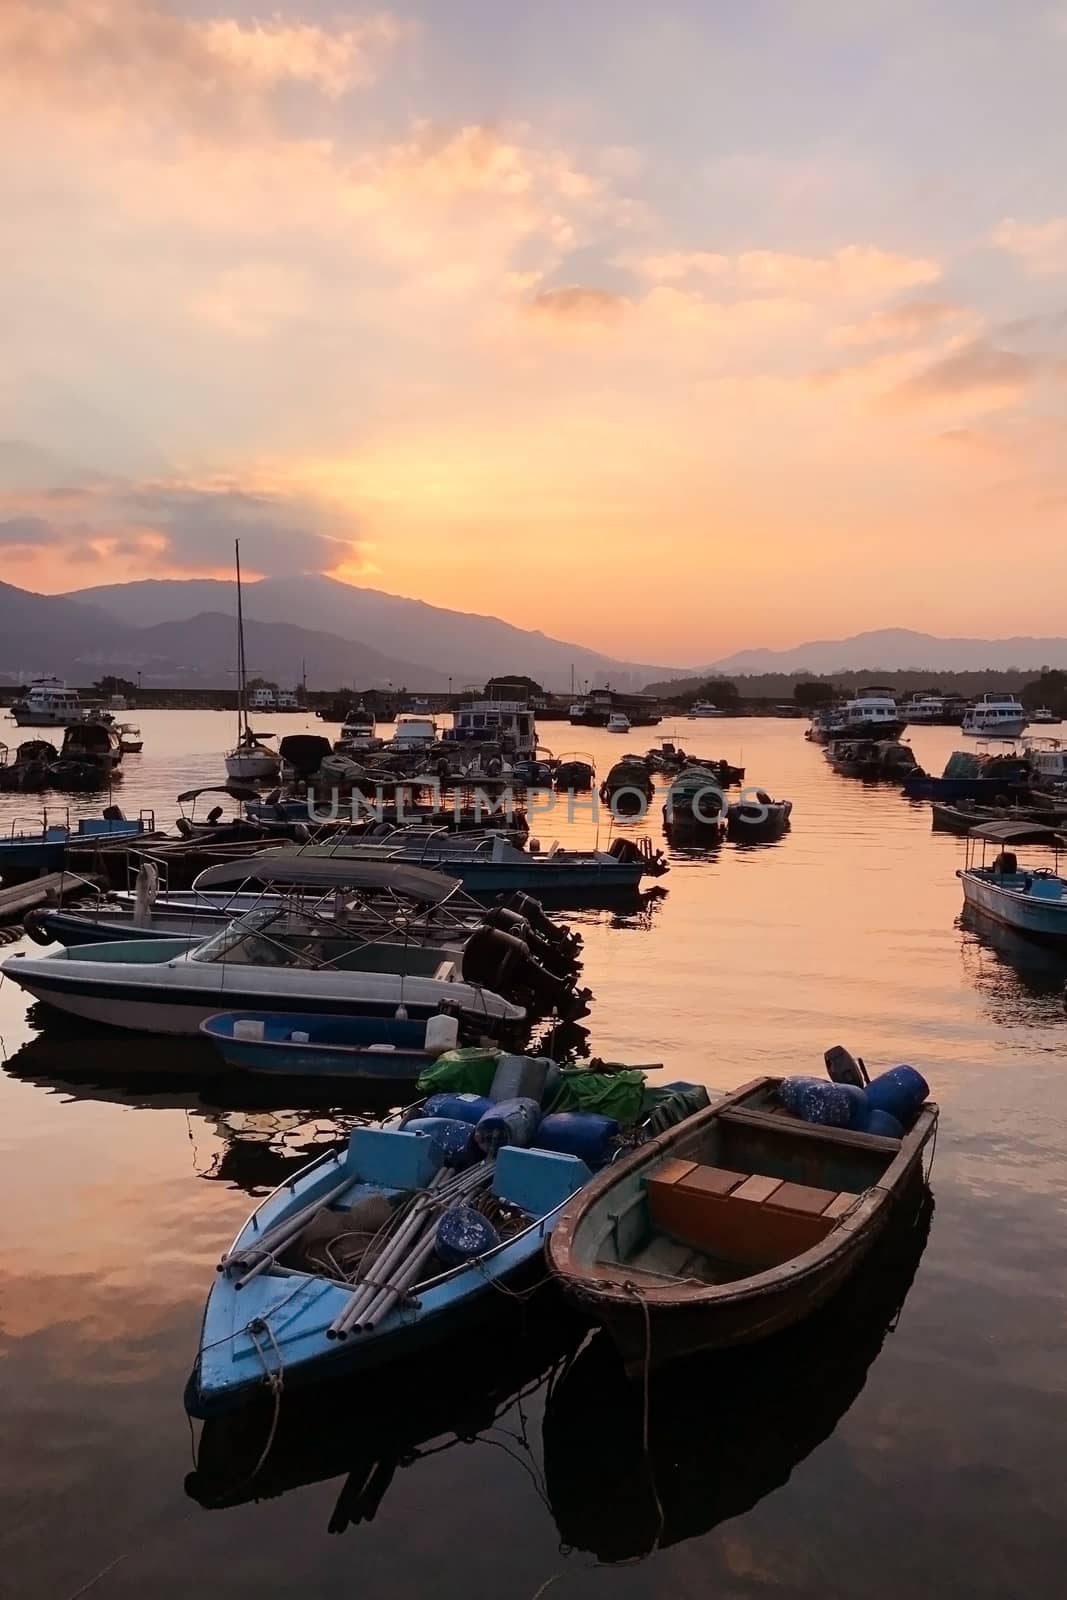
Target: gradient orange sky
[(667, 330)]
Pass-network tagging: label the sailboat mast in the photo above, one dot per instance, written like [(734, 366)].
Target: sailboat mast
[(242, 695)]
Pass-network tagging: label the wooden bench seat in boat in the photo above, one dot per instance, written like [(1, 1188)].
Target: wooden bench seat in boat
[(747, 1218)]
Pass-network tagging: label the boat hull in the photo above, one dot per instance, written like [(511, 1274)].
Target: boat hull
[(337, 1047), (666, 1318), (155, 994), (1026, 913), (248, 766)]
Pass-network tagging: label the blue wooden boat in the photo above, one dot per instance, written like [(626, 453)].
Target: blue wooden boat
[(1032, 901), (298, 1044), (271, 1323)]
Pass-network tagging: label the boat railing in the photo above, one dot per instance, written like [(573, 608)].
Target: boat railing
[(33, 827)]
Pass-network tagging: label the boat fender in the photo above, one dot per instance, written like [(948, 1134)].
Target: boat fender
[(463, 1235), (33, 924)]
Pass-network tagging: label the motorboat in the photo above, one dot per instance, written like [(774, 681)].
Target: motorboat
[(1045, 715), (330, 935), (130, 740), (490, 864), (705, 708), (358, 732), (294, 1301), (414, 730), (872, 714), (267, 960), (1030, 900), (47, 703), (758, 819), (251, 760), (827, 723), (618, 722), (995, 716), (94, 742)]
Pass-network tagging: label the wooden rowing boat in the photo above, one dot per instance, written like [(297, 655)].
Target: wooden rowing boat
[(730, 1226)]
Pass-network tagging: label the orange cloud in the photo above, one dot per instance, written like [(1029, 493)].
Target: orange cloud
[(910, 320)]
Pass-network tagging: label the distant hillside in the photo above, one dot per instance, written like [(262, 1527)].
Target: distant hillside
[(898, 650), (464, 646), (50, 634)]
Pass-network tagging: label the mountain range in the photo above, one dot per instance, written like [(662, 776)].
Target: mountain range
[(182, 632), (898, 650)]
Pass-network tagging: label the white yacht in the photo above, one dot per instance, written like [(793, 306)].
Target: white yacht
[(509, 723), (704, 708), (873, 714), (923, 709), (47, 703), (995, 716)]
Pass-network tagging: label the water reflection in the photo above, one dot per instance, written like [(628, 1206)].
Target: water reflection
[(1020, 980), (723, 1431)]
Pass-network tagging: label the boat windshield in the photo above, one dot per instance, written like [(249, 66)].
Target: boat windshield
[(253, 941)]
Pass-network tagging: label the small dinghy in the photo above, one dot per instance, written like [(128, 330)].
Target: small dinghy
[(739, 1221), (377, 1049)]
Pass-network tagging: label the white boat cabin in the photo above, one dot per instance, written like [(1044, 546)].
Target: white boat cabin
[(998, 715), (871, 707), (48, 703)]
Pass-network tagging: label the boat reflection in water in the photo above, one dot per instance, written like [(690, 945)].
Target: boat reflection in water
[(361, 1430), (1020, 979), (723, 1430)]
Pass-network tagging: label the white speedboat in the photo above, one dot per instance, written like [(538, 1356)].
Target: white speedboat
[(269, 960), (1045, 715), (704, 708), (995, 716), (618, 722)]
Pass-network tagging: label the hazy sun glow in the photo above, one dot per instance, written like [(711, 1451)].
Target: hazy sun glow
[(668, 331)]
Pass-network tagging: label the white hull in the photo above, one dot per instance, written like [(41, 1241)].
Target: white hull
[(1027, 913), (45, 719), (1002, 728), (247, 765), (137, 994)]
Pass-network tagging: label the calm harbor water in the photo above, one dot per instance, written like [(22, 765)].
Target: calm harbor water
[(882, 1451)]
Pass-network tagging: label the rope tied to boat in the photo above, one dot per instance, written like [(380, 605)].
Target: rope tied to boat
[(630, 1288)]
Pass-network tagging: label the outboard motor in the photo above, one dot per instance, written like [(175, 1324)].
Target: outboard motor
[(533, 912), (559, 959), (625, 851), (502, 963)]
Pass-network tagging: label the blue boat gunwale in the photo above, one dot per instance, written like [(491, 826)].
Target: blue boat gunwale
[(213, 1028)]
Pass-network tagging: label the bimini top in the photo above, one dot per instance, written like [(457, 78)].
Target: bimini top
[(1016, 833), (236, 791), (297, 869)]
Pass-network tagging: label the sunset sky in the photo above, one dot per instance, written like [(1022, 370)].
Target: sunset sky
[(669, 329)]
